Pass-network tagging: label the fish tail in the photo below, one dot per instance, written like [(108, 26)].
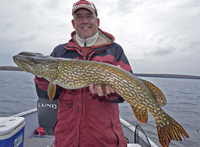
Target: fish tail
[(170, 130)]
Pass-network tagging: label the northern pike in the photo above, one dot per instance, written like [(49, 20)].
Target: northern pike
[(74, 74)]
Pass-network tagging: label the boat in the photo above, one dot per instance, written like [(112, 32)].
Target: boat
[(135, 135)]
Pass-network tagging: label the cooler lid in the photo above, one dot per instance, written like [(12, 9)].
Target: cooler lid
[(9, 124)]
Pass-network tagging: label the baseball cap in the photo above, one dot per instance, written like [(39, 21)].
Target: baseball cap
[(84, 4)]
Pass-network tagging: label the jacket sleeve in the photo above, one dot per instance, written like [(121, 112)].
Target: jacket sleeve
[(122, 61), (119, 59)]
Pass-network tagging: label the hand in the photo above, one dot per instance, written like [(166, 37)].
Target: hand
[(96, 89)]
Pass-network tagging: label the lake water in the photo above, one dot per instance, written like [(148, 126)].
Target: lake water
[(17, 94)]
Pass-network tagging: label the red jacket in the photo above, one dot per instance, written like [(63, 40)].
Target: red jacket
[(86, 120)]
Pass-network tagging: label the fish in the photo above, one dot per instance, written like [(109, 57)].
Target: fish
[(75, 74)]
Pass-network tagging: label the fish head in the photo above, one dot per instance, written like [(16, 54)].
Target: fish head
[(37, 64)]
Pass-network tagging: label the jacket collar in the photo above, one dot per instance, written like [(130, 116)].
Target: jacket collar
[(104, 39), (86, 42)]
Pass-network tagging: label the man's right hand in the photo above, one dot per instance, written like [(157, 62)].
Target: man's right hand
[(96, 89)]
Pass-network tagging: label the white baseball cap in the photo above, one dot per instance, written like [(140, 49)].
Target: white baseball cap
[(84, 4)]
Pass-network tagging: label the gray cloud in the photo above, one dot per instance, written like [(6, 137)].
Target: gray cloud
[(28, 38), (125, 6), (52, 4), (7, 42), (161, 52), (6, 26), (159, 36)]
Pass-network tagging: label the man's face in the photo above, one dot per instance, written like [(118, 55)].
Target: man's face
[(85, 23)]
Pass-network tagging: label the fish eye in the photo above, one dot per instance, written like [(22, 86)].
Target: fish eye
[(34, 61)]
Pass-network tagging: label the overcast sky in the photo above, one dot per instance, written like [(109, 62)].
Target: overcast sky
[(158, 36)]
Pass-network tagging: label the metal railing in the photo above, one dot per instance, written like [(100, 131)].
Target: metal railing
[(137, 134)]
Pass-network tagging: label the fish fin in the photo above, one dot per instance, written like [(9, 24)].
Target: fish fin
[(51, 91), (170, 130), (141, 113), (158, 95)]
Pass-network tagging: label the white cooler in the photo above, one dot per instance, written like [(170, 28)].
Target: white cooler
[(12, 131)]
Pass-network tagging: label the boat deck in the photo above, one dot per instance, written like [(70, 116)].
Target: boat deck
[(48, 142), (38, 142)]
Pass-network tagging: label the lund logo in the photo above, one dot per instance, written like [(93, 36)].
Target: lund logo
[(44, 105)]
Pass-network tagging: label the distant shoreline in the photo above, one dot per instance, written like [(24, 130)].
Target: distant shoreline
[(11, 68), (168, 76), (14, 68)]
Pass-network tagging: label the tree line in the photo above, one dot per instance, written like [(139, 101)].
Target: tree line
[(12, 68)]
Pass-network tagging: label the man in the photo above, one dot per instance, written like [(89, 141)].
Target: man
[(87, 117)]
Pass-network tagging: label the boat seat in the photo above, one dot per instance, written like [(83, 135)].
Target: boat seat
[(47, 114)]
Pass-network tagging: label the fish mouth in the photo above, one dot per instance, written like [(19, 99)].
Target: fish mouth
[(22, 62), (25, 60)]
